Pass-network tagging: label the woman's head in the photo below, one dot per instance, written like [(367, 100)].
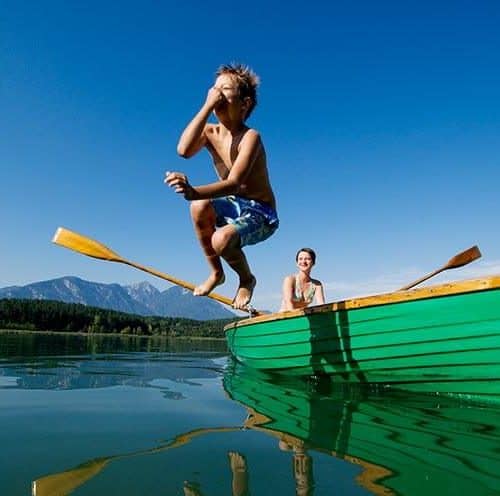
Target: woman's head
[(309, 251)]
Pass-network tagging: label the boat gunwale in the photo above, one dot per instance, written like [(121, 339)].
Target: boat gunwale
[(428, 292)]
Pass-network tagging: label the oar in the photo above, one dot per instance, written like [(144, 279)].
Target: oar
[(459, 260), (66, 482), (92, 248)]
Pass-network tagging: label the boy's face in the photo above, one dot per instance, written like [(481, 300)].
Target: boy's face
[(227, 85), (231, 105)]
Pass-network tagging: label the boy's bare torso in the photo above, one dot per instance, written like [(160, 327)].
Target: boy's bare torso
[(224, 149)]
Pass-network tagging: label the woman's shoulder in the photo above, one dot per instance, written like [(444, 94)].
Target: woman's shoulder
[(316, 282)]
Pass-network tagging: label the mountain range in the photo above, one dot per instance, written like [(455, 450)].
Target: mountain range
[(141, 298)]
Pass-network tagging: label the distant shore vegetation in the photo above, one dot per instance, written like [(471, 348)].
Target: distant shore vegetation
[(56, 316)]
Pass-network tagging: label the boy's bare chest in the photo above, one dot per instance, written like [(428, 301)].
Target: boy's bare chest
[(224, 153)]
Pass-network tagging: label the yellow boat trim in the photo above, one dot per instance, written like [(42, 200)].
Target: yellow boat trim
[(452, 288)]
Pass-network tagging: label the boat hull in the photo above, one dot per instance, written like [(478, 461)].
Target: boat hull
[(442, 340)]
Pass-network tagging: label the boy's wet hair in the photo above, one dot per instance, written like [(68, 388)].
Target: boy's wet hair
[(247, 82), (307, 250)]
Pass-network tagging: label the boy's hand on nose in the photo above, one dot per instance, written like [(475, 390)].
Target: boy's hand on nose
[(214, 97)]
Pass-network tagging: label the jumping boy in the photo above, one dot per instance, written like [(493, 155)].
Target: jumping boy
[(239, 209)]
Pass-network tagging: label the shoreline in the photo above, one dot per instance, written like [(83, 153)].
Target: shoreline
[(105, 334)]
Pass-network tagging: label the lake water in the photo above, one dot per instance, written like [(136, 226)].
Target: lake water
[(111, 416)]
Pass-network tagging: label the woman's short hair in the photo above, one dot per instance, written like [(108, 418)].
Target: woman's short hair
[(307, 250)]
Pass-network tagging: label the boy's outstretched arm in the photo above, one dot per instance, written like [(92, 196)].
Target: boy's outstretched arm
[(193, 138), (250, 148)]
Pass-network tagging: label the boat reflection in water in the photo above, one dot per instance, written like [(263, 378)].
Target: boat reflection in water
[(405, 444)]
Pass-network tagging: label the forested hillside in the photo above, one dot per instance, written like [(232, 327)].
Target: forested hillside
[(47, 315)]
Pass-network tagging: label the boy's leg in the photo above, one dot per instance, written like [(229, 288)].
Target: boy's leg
[(240, 474), (226, 243), (203, 216)]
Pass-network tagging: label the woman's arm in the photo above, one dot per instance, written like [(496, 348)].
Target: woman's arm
[(319, 293), (287, 303)]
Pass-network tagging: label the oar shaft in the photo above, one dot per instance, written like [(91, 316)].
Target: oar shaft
[(174, 280), (422, 279), (93, 248)]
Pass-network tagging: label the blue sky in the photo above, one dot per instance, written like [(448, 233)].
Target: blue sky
[(381, 122)]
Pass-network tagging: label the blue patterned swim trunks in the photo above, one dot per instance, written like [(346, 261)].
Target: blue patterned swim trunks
[(255, 221)]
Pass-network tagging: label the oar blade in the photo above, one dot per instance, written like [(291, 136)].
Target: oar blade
[(464, 258), (67, 482), (86, 246), (459, 260)]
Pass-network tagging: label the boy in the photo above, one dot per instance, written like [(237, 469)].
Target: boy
[(241, 204)]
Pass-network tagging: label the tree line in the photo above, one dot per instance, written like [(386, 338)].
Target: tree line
[(49, 315)]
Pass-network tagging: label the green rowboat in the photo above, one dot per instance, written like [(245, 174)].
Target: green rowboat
[(438, 339)]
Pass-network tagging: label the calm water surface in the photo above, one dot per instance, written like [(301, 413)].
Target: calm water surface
[(111, 416)]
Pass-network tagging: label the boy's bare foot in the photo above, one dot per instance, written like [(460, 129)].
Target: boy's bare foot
[(237, 461), (244, 293), (240, 475), (213, 280)]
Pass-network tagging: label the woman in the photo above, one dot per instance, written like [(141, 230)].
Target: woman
[(299, 290)]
